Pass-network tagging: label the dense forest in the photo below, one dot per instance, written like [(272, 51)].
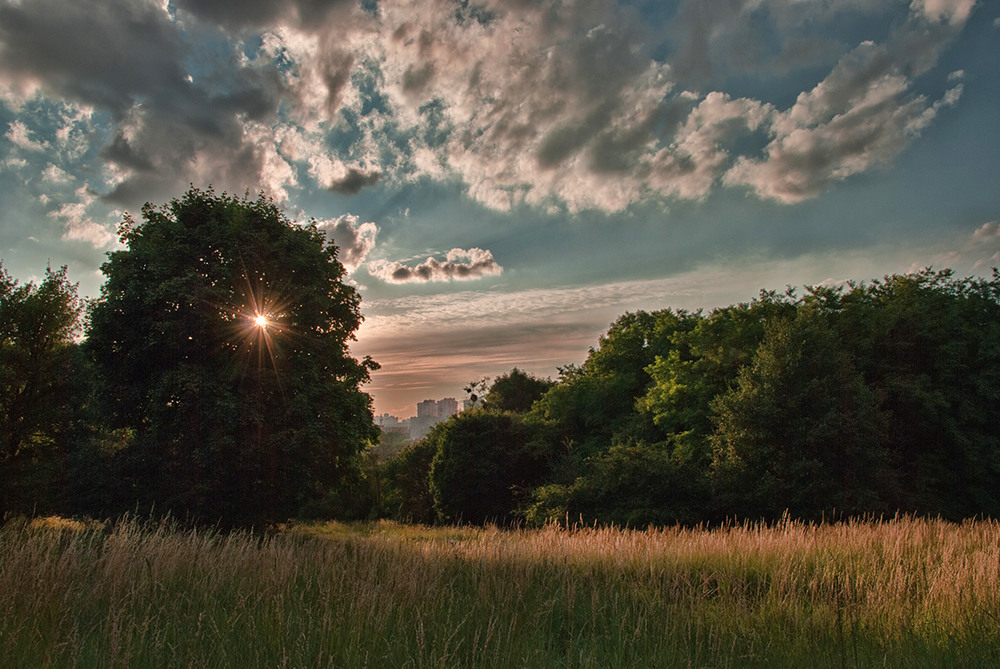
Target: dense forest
[(855, 400), (211, 380)]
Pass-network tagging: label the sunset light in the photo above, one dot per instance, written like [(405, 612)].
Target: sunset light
[(260, 321)]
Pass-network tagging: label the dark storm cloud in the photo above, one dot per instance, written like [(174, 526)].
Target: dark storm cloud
[(104, 53), (121, 152), (354, 181)]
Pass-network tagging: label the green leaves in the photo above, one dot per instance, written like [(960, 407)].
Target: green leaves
[(237, 420), (857, 399), (39, 374)]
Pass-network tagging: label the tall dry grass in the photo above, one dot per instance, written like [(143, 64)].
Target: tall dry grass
[(898, 593)]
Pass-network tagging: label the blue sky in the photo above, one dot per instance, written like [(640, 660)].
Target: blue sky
[(506, 178)]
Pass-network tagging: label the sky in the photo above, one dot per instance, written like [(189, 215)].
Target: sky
[(507, 178)]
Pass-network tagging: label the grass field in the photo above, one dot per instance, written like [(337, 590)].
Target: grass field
[(901, 593)]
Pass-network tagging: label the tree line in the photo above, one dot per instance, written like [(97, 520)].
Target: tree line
[(851, 400), (212, 380)]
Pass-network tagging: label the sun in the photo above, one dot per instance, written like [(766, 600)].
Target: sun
[(260, 320)]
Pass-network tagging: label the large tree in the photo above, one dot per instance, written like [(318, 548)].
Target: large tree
[(39, 402), (484, 465), (222, 331)]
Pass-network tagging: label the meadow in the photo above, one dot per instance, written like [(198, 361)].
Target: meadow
[(898, 593)]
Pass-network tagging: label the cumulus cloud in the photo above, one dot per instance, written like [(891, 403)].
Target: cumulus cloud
[(129, 60), (948, 11), (354, 238), (19, 135), (459, 265), (79, 226), (54, 174), (576, 104), (862, 115)]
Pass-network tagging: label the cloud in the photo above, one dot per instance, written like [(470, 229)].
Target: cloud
[(459, 265), (862, 115), (354, 180), (574, 104), (354, 239), (130, 60), (980, 251), (948, 11), (339, 177), (79, 226), (55, 175), (19, 135)]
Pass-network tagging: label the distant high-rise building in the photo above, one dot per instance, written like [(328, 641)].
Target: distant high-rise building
[(447, 407), (430, 413), (385, 420), (427, 409)]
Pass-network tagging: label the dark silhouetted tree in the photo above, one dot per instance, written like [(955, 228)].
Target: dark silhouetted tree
[(484, 465), (514, 391), (222, 334), (800, 429), (42, 388), (406, 476)]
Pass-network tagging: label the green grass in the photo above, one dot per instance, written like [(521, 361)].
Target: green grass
[(903, 593)]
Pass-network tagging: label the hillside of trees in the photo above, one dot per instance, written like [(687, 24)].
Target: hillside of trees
[(857, 400), (211, 380)]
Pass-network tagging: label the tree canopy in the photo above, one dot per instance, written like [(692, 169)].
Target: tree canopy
[(39, 399), (222, 334), (853, 400)]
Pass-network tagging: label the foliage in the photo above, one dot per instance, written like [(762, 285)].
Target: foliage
[(406, 478), (701, 362), (230, 420), (514, 391), (850, 400), (592, 404), (932, 355), (633, 484), (799, 429), (44, 391), (484, 462)]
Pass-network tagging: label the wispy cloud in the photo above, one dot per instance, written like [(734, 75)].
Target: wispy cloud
[(19, 135), (861, 115), (458, 265), (978, 251), (79, 226)]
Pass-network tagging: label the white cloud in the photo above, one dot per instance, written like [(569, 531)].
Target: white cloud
[(354, 238), (19, 135), (78, 224), (861, 115), (689, 167), (554, 104), (459, 265), (55, 174), (339, 177), (948, 11)]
